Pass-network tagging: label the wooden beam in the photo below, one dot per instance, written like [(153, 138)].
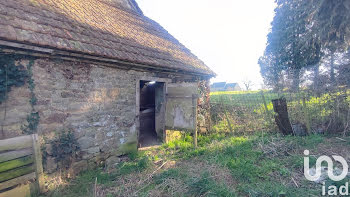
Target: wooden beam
[(25, 46), (106, 64), (7, 156), (11, 174), (16, 143), (22, 190), (16, 181), (12, 164), (35, 50)]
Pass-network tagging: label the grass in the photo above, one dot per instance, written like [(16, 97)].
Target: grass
[(222, 165), (206, 185), (82, 185), (133, 166)]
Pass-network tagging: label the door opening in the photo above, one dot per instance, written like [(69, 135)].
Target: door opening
[(150, 104)]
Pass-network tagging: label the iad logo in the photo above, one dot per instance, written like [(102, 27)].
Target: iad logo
[(316, 174), (330, 170)]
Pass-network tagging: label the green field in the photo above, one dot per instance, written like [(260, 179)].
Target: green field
[(246, 110)]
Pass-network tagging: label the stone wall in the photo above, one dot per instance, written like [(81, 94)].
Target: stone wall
[(16, 108), (97, 103)]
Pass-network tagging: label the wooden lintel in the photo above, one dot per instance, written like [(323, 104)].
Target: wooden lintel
[(25, 46), (38, 51)]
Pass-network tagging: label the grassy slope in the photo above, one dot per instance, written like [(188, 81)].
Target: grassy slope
[(220, 166)]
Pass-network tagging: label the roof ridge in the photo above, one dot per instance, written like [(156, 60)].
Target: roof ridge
[(130, 11), (174, 39)]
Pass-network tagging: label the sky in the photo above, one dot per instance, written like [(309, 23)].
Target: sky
[(228, 35)]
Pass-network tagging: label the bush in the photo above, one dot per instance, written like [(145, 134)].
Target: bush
[(64, 148)]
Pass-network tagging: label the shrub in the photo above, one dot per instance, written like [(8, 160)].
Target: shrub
[(64, 148)]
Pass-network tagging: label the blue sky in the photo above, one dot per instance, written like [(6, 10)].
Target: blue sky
[(228, 35)]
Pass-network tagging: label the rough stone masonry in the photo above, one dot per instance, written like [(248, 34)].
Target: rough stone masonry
[(97, 103)]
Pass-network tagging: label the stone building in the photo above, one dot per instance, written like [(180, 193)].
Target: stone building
[(223, 86), (98, 68), (232, 87)]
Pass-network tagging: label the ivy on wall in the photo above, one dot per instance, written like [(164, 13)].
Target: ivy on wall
[(203, 109), (10, 75), (33, 118), (14, 74)]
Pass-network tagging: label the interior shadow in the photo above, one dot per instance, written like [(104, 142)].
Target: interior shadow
[(148, 134)]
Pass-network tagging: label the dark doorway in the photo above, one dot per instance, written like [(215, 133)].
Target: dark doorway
[(148, 107)]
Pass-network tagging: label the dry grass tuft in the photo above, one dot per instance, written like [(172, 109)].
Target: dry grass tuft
[(276, 146), (141, 183)]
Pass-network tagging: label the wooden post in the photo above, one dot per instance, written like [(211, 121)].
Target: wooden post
[(38, 164), (194, 107), (306, 115)]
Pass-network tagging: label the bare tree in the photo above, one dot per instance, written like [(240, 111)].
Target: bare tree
[(247, 83)]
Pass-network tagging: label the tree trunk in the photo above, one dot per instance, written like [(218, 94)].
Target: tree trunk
[(296, 80), (280, 82), (332, 74), (276, 84), (316, 82), (281, 117)]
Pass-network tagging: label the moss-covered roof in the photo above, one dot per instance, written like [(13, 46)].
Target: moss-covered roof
[(98, 28)]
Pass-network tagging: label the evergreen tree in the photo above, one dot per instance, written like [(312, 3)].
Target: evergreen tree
[(300, 31)]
